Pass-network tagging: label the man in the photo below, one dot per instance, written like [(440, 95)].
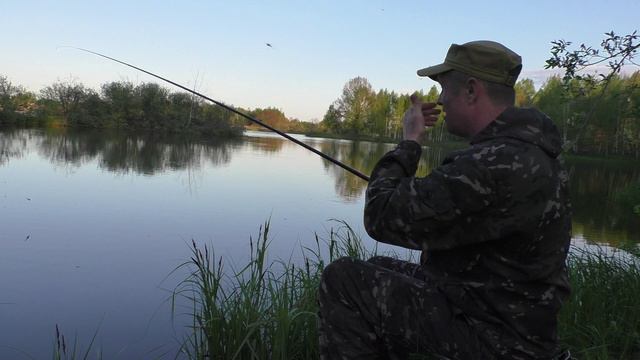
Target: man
[(492, 221)]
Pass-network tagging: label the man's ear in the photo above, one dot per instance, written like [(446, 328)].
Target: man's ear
[(471, 89)]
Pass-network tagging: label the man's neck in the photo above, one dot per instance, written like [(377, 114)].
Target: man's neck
[(485, 117)]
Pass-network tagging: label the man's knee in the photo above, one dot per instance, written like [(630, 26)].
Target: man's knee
[(334, 273), (380, 260)]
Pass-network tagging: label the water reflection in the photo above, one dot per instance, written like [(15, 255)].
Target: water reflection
[(266, 145), (12, 145), (599, 215), (359, 155), (118, 152), (364, 156)]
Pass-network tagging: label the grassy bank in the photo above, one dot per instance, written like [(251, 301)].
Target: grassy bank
[(601, 320), (263, 311), (269, 310)]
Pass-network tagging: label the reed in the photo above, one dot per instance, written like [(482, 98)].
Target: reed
[(268, 311), (263, 310), (601, 320), (64, 351)]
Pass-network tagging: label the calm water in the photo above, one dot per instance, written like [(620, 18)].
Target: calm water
[(92, 224)]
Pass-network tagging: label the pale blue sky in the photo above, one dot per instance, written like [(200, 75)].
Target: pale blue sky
[(317, 45)]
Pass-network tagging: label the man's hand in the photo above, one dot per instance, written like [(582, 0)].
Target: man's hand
[(417, 117)]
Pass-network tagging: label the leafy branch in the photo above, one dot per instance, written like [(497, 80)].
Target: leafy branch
[(616, 50)]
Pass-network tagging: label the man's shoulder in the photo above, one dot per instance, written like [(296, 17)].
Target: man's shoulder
[(489, 151), (506, 159)]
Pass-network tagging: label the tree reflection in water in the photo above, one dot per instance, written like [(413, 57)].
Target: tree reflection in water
[(598, 211), (596, 185), (124, 153), (12, 145)]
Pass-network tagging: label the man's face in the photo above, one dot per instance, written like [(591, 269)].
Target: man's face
[(454, 106)]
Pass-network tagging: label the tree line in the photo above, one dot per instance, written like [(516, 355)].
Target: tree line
[(118, 104), (361, 112), (614, 128), (598, 120)]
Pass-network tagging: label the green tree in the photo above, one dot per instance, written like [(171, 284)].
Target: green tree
[(525, 91), (552, 99), (331, 121), (630, 121), (119, 98), (616, 51), (355, 104), (380, 114), (6, 93), (182, 110), (66, 98), (153, 105)]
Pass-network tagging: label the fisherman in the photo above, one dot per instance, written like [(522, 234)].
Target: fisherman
[(493, 222)]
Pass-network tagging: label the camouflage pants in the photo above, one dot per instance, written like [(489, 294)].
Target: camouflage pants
[(384, 309)]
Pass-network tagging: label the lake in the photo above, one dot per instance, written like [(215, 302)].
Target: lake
[(93, 223)]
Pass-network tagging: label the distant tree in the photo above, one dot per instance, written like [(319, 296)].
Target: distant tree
[(92, 111), (119, 97), (273, 117), (552, 100), (183, 108), (525, 91), (66, 96), (631, 119), (354, 104), (8, 89), (380, 114), (8, 93), (153, 106), (331, 121), (402, 103)]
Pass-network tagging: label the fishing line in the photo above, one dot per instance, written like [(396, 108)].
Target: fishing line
[(233, 110)]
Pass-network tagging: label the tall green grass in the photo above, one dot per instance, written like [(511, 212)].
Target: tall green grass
[(268, 311), (262, 311), (601, 320)]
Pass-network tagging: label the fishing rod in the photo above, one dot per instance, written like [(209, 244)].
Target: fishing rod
[(246, 116)]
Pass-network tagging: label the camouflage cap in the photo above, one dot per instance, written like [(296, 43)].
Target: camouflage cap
[(486, 60)]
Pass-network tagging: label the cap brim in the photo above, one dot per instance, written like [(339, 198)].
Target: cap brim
[(434, 71)]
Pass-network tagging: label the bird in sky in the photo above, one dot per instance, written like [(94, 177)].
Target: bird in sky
[(269, 45)]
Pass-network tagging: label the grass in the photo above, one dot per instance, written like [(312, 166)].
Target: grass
[(64, 352), (262, 311), (269, 310), (601, 320)]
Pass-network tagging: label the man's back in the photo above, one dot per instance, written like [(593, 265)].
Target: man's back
[(508, 272)]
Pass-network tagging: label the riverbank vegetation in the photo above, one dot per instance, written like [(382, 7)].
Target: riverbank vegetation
[(268, 310), (612, 128), (117, 105)]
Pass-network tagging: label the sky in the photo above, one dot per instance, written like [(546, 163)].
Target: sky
[(220, 47)]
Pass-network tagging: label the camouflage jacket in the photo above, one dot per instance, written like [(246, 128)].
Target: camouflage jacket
[(494, 224)]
